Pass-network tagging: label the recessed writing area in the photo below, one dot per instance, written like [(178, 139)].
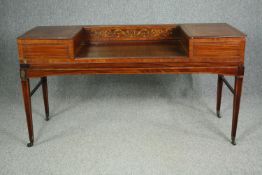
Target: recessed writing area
[(166, 49), (131, 42)]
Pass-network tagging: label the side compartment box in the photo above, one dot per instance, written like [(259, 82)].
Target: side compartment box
[(218, 49)]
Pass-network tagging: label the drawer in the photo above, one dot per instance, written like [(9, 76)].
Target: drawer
[(43, 50), (217, 49)]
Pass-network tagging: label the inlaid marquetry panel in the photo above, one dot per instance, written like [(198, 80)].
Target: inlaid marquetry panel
[(130, 33)]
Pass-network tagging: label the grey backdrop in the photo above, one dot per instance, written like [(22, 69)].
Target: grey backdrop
[(18, 16)]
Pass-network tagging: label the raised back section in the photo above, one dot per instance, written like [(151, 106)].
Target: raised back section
[(130, 33)]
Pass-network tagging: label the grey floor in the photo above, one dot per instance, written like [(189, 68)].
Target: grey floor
[(140, 125)]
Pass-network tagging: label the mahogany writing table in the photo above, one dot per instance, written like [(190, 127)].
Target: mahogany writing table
[(132, 49)]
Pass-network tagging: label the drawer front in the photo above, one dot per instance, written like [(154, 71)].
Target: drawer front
[(31, 51), (218, 49)]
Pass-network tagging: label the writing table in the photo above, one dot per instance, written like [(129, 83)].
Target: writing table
[(132, 49)]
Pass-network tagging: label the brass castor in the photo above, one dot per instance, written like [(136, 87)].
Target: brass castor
[(30, 144), (47, 117), (233, 141), (218, 114)]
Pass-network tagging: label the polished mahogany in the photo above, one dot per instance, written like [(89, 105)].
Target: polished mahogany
[(132, 49)]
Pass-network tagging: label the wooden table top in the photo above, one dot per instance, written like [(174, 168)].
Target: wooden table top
[(192, 30)]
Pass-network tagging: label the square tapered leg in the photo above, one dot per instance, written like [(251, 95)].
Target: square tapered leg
[(219, 94), (236, 106), (45, 96), (28, 109)]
